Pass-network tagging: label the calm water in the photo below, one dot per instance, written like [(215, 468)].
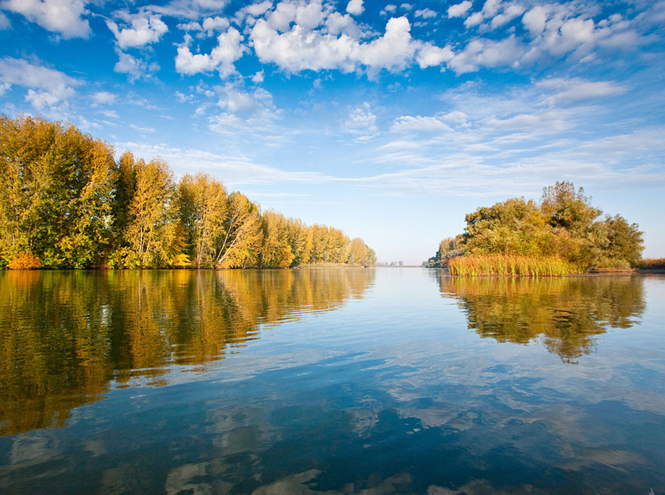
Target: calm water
[(330, 381)]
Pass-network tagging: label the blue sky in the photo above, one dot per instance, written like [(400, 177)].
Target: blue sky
[(387, 120)]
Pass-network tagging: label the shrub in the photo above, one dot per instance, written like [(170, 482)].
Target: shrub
[(25, 261)]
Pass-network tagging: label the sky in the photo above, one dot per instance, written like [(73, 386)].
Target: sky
[(390, 121)]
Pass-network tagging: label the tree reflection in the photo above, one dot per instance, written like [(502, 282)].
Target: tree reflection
[(65, 336), (565, 313)]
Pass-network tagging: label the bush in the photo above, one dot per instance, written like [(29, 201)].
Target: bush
[(25, 261)]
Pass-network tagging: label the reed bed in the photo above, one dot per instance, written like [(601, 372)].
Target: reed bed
[(652, 264), (511, 266)]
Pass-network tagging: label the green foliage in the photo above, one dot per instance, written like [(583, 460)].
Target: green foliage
[(562, 233)]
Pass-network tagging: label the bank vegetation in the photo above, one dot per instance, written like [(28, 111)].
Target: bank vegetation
[(561, 234)]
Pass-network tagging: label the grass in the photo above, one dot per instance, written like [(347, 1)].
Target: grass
[(511, 266)]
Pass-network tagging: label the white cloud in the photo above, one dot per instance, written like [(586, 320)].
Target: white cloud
[(426, 13), (508, 14), (189, 9), (393, 51), (310, 15), (258, 77), (142, 129), (222, 58), (418, 123), (361, 123), (190, 26), (302, 49), (235, 169), (243, 111), (58, 16), (432, 56), (281, 18), (536, 19), (103, 98), (4, 87), (474, 19), (212, 24), (338, 23), (46, 87), (460, 9), (4, 22), (573, 91), (132, 66), (257, 9), (355, 7), (145, 29), (487, 53)]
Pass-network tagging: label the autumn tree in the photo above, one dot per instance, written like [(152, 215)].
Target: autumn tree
[(57, 188), (242, 234), (203, 207), (154, 233)]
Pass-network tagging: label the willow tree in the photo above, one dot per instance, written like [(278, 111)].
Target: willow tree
[(153, 233), (203, 205), (57, 186)]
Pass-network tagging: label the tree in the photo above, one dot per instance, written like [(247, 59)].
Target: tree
[(242, 237), (203, 206), (154, 232), (57, 188)]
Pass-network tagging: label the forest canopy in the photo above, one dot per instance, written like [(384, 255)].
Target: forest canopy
[(67, 202), (563, 227)]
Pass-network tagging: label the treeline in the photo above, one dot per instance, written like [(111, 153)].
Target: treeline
[(562, 233), (68, 203)]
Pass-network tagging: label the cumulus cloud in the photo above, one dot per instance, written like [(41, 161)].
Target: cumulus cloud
[(432, 56), (145, 29), (46, 87), (212, 24), (355, 7), (222, 58), (460, 9), (300, 49), (58, 16)]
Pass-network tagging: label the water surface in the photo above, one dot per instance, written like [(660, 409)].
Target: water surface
[(330, 381)]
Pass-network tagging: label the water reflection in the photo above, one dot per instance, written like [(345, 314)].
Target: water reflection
[(66, 336), (564, 313)]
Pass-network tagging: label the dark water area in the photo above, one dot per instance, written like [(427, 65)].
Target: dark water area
[(335, 381)]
